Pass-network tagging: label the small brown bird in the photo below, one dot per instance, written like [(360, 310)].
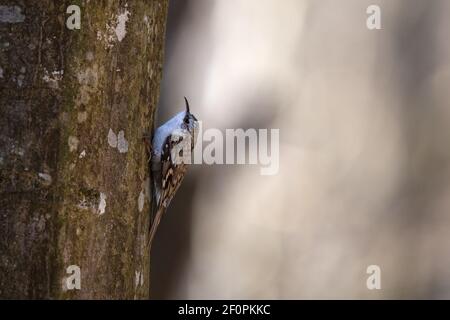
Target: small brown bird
[(172, 145)]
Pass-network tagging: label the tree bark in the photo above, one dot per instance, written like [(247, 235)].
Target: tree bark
[(74, 177)]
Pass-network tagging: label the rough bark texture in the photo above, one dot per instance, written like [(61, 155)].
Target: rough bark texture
[(73, 169)]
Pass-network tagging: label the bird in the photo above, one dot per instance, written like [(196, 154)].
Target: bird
[(170, 155)]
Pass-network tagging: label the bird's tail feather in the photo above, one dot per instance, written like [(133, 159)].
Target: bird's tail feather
[(154, 226)]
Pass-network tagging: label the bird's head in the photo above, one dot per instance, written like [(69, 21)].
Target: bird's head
[(190, 123)]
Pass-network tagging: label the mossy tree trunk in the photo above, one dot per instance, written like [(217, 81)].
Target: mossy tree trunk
[(74, 178)]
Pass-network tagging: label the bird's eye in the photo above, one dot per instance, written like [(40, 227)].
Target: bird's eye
[(186, 119)]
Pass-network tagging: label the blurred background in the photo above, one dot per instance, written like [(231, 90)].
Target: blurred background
[(364, 177)]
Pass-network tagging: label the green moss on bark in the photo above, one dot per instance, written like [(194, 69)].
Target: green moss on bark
[(78, 86)]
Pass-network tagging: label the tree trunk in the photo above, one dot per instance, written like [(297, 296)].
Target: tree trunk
[(74, 178)]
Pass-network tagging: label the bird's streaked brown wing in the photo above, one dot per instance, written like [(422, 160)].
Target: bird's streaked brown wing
[(172, 175)]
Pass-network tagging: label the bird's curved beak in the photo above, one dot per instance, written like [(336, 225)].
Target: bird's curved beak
[(187, 105)]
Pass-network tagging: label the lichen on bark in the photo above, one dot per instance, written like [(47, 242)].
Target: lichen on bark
[(68, 196)]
